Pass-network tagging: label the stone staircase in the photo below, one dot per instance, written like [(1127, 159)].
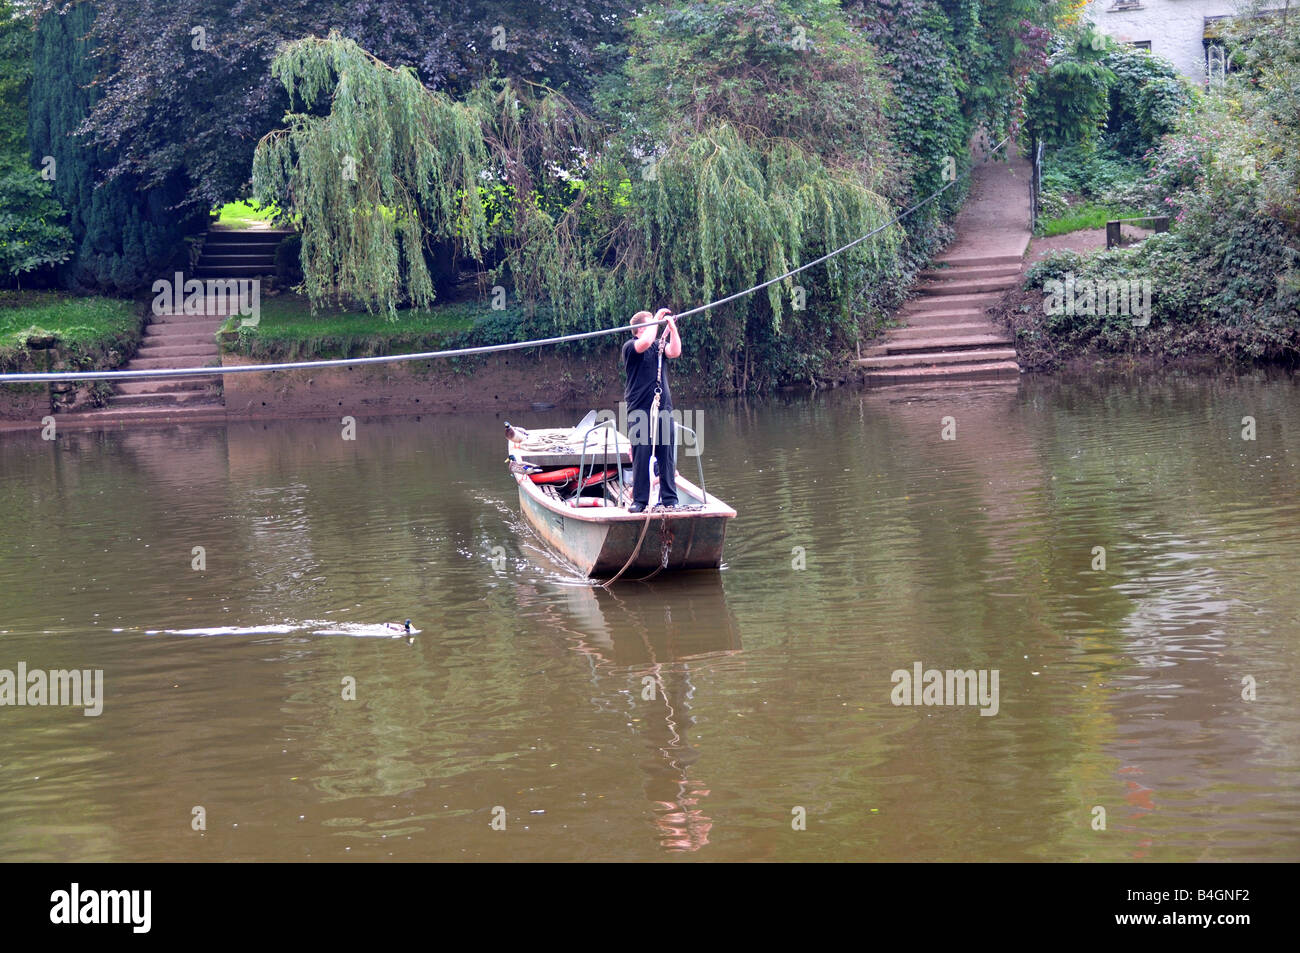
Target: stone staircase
[(239, 253), (174, 340), (189, 340), (948, 335)]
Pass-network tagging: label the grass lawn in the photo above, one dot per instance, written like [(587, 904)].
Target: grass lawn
[(244, 215), (289, 331), (84, 322), (1086, 216)]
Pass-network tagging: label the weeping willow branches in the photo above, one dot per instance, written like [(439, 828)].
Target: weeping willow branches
[(548, 165), (378, 171), (374, 169), (723, 213)]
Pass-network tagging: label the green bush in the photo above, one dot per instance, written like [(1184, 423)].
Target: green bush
[(1091, 172), (32, 233), (1054, 266), (1068, 102), (1146, 99)]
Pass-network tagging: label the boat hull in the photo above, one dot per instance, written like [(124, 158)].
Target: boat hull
[(599, 543)]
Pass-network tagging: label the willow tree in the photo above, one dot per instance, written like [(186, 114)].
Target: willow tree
[(724, 212), (746, 140), (548, 168), (375, 169)]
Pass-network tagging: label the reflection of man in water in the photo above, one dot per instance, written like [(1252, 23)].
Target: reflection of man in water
[(682, 824), (646, 372)]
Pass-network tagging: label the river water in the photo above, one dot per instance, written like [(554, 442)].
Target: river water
[(707, 717)]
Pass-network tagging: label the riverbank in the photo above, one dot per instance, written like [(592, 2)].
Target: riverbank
[(1157, 324), (510, 383), (582, 374), (46, 331)]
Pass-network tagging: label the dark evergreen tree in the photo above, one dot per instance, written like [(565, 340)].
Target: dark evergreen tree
[(187, 83), (32, 236), (124, 235)]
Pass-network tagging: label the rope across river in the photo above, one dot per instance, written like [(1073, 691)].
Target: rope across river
[(92, 375)]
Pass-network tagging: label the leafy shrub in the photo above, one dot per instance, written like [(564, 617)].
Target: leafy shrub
[(1054, 266), (1090, 172), (1146, 99), (32, 234), (1067, 104)]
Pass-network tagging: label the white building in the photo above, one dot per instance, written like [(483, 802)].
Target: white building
[(1181, 31)]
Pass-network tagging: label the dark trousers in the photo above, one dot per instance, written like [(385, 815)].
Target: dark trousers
[(661, 440)]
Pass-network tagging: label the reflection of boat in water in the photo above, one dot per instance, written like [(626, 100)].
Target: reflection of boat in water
[(675, 620), (657, 638)]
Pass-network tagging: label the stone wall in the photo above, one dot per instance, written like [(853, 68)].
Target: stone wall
[(24, 403), (1174, 28), (506, 382)]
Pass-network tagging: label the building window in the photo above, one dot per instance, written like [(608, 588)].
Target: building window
[(1122, 5), (1142, 45)]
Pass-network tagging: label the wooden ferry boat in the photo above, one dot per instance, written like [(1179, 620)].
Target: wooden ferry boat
[(575, 486)]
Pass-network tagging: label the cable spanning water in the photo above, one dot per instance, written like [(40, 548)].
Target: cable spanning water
[(52, 377)]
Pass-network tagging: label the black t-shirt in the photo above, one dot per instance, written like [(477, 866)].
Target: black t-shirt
[(639, 391)]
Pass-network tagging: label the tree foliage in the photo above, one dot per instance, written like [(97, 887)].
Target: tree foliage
[(595, 158), (1069, 102), (784, 68), (32, 233), (373, 179), (187, 87), (124, 234), (1145, 99), (749, 138)]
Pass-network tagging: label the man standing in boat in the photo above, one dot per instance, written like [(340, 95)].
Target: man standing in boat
[(647, 371)]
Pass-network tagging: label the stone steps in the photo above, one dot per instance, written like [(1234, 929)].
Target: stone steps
[(979, 260), (970, 271), (252, 270), (160, 363), (985, 370), (922, 319), (940, 330), (952, 342), (212, 319), (239, 253), (928, 359), (241, 257), (165, 398), (172, 334), (962, 286), (173, 341), (194, 350), (951, 302), (179, 340), (143, 413), (165, 385)]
